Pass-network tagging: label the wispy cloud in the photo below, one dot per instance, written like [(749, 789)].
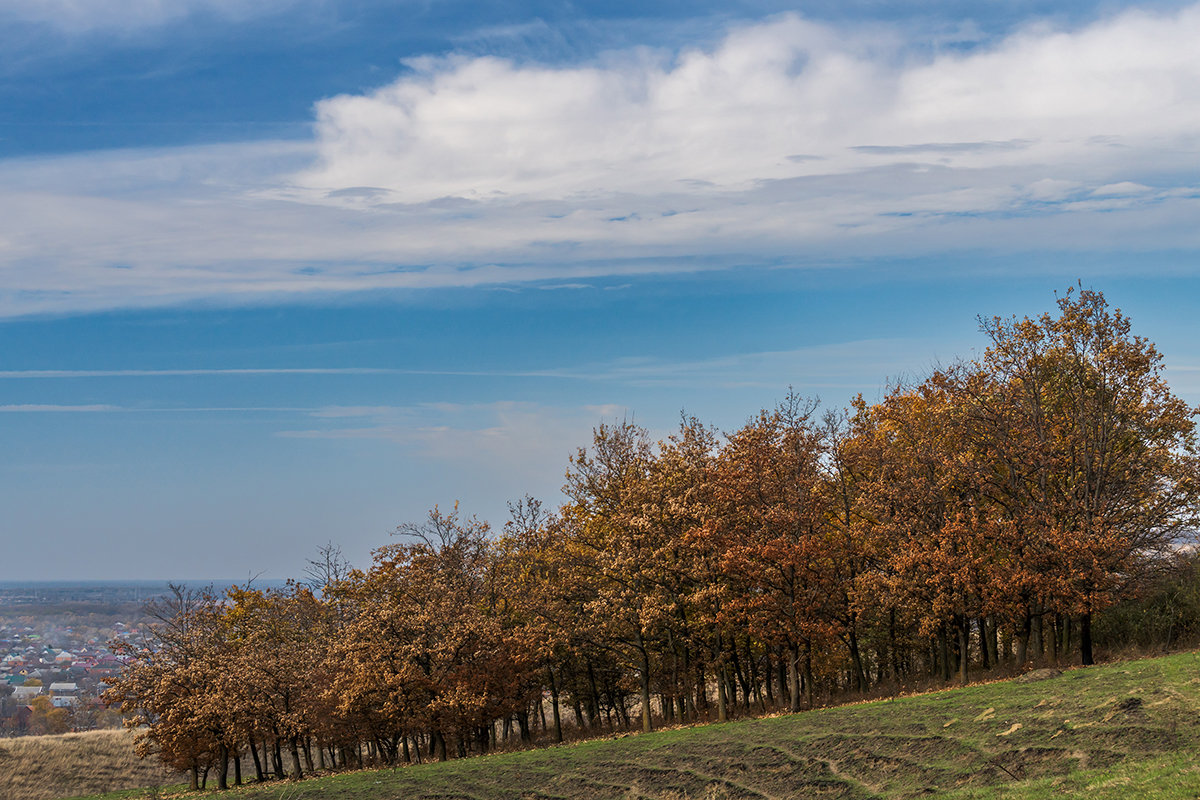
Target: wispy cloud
[(80, 16), (500, 437), (43, 408), (835, 365), (45, 374), (841, 365), (103, 408), (788, 143)]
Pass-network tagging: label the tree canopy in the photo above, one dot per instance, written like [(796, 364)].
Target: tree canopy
[(976, 520)]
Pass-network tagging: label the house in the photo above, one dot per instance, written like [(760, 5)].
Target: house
[(64, 688), (23, 694)]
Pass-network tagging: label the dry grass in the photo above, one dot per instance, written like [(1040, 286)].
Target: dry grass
[(73, 764)]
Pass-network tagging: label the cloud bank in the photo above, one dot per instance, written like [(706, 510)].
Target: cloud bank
[(789, 143)]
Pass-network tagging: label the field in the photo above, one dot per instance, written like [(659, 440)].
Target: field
[(1129, 729), (45, 767)]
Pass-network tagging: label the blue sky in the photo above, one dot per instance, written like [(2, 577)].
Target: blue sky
[(279, 273)]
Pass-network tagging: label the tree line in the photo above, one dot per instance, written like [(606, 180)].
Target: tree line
[(978, 520)]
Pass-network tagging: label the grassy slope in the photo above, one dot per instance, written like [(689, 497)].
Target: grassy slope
[(1123, 730), (45, 767)]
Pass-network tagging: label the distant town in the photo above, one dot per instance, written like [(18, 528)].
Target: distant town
[(56, 651)]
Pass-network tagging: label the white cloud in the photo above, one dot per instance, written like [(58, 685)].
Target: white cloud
[(788, 143), (1121, 189), (705, 122)]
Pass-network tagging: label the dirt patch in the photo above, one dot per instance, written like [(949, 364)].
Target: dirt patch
[(872, 769), (1130, 705), (1102, 759), (655, 780), (922, 749), (1039, 675), (1134, 739), (829, 788), (1036, 762)]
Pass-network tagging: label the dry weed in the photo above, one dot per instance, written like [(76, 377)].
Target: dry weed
[(73, 764)]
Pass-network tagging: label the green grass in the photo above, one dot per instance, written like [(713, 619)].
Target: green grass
[(1123, 730)]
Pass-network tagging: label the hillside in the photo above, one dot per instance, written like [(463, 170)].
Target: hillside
[(1130, 729), (46, 767)]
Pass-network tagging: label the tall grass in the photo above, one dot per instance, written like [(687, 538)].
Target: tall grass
[(73, 764)]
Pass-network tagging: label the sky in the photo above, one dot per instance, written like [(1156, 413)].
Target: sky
[(287, 272)]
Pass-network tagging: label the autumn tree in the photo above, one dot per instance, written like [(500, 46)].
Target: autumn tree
[(1093, 459), (173, 689), (426, 649), (771, 514), (613, 551), (920, 510), (45, 718)]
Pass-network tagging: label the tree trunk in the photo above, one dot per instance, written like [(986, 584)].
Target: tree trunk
[(944, 652), (1023, 636), (742, 681), (809, 684), (1085, 640), (1036, 643), (577, 707), (860, 678), (722, 699), (894, 645), (483, 736), (770, 683), (258, 767), (794, 679), (992, 644), (194, 777), (985, 659), (781, 673), (523, 724), (297, 772), (222, 767), (594, 707), (558, 737), (964, 650), (645, 687), (755, 680)]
